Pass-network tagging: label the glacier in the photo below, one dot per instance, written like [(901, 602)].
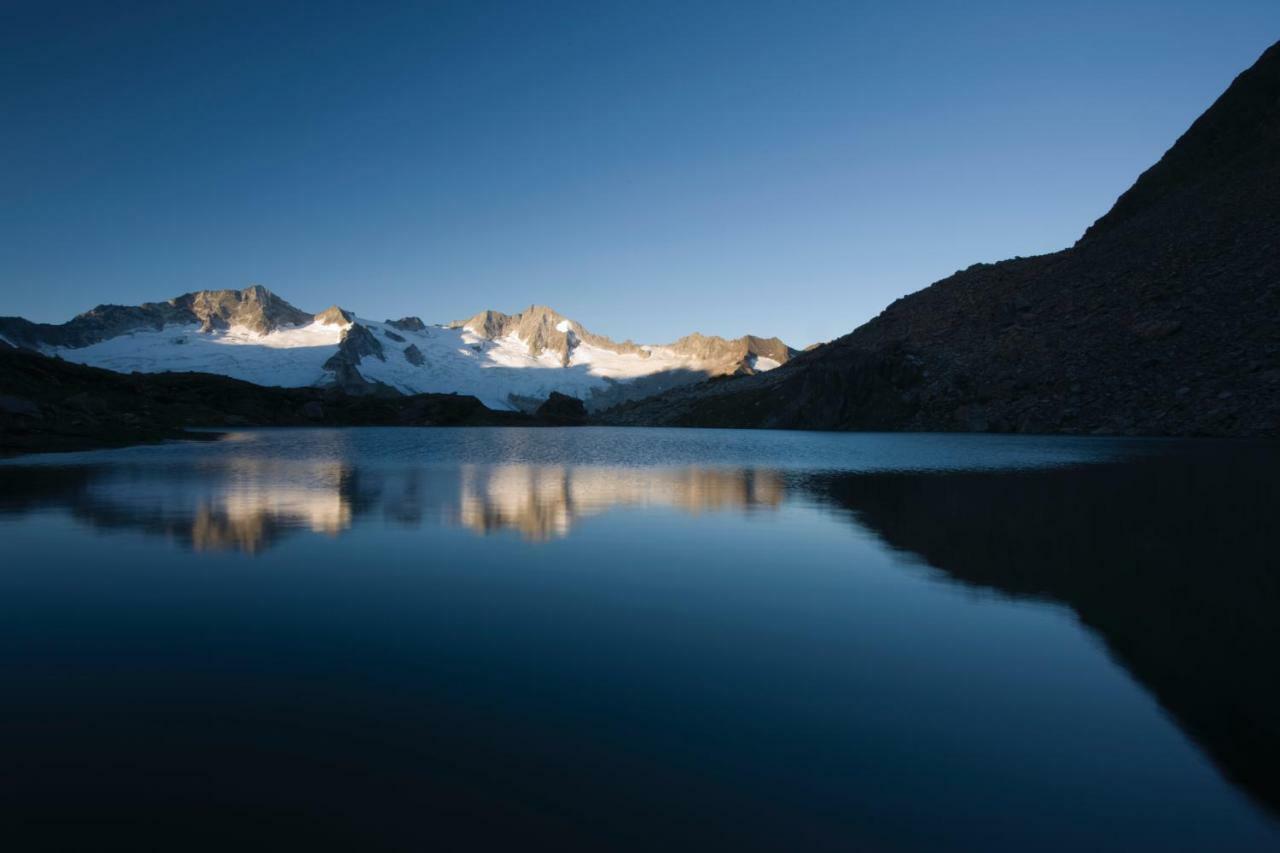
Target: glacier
[(504, 372)]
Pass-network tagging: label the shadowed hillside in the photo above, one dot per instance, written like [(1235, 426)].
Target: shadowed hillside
[(1161, 320)]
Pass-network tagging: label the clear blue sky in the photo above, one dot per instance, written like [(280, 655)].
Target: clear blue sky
[(648, 168)]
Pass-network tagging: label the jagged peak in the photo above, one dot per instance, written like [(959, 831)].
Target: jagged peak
[(491, 323), (335, 316), (255, 308), (486, 324), (540, 312), (253, 293), (543, 328)]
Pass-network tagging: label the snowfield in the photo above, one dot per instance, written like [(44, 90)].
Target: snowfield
[(503, 374), (286, 357)]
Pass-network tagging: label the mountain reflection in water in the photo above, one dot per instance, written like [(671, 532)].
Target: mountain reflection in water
[(1168, 557), (543, 502), (249, 504)]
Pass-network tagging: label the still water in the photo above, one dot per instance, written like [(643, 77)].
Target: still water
[(649, 639)]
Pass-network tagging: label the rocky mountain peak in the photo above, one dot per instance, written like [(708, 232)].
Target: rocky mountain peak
[(254, 308), (486, 324), (335, 316), (541, 328), (739, 352)]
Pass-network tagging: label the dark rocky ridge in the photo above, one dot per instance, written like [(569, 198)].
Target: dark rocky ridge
[(408, 324), (357, 343), (1161, 320), (563, 410), (49, 404)]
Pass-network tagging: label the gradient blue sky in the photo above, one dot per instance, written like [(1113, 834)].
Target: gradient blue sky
[(647, 168)]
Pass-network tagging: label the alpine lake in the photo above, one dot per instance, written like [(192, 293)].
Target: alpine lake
[(648, 639)]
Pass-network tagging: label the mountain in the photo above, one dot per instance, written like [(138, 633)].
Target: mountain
[(255, 309), (508, 361), (1160, 320)]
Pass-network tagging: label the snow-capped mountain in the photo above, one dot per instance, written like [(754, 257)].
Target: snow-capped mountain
[(508, 361)]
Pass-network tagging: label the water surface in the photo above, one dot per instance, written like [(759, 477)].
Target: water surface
[(386, 638)]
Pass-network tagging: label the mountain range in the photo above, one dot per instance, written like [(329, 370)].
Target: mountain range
[(507, 361)]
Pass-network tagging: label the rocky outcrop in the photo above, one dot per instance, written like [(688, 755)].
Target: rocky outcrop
[(357, 344), (414, 356), (1159, 321), (562, 410), (334, 316), (408, 324)]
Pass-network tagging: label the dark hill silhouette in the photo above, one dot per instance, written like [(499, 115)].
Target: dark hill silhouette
[(47, 404), (1160, 320)]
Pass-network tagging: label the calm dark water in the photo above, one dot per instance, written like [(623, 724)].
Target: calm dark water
[(603, 639)]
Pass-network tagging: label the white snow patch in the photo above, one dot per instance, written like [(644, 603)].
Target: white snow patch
[(290, 357), (763, 363)]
